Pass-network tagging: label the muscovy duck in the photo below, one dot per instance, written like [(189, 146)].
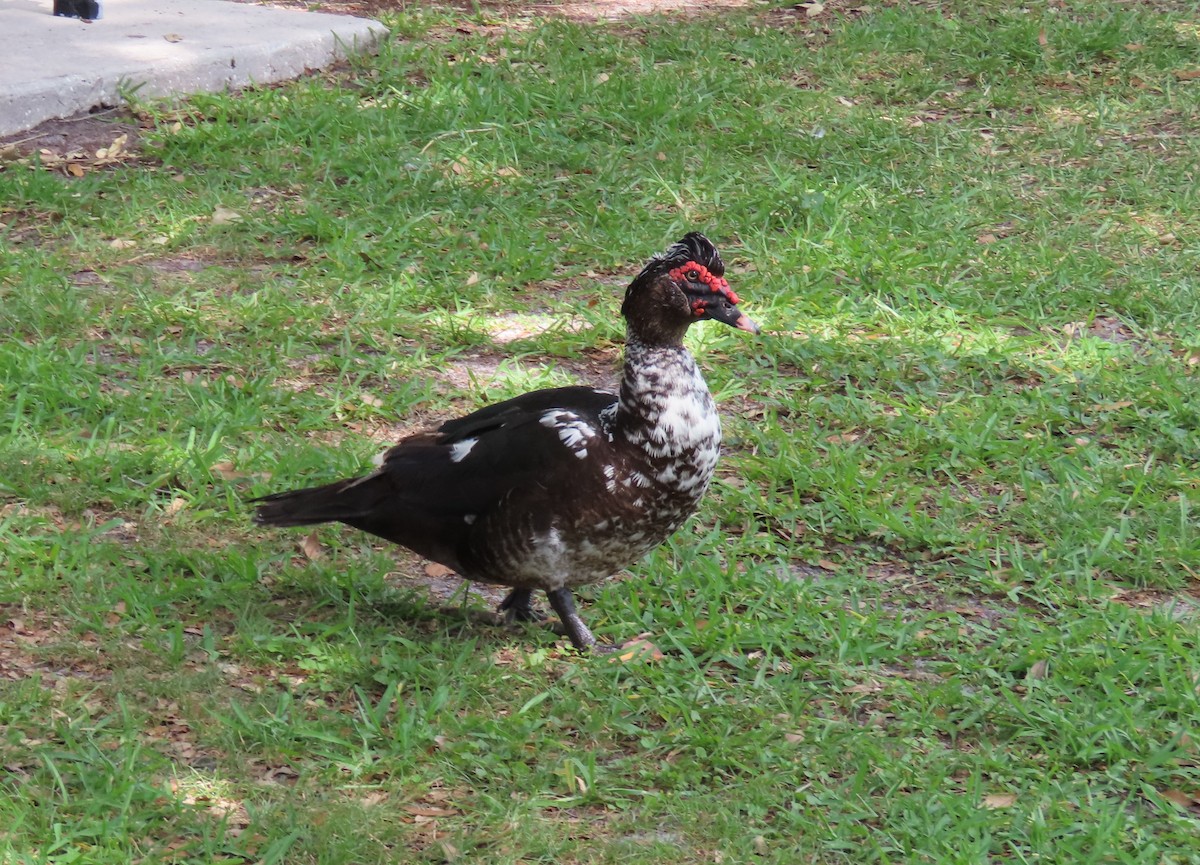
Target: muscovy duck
[(561, 487)]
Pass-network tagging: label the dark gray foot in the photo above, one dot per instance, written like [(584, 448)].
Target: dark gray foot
[(564, 605), (518, 607)]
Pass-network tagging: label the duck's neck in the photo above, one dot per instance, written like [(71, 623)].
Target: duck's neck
[(664, 405)]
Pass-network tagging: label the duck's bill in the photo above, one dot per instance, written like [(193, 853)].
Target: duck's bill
[(720, 309), (744, 322)]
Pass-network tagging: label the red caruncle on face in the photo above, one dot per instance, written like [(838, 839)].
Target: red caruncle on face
[(693, 272)]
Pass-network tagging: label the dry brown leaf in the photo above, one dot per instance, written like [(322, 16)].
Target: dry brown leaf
[(224, 469), (176, 505), (1038, 670), (843, 438), (311, 547), (641, 649), (793, 738), (75, 170), (864, 688), (986, 238), (576, 784), (1182, 799), (1042, 40), (115, 615), (282, 774), (433, 569), (419, 810), (472, 279), (114, 150), (224, 216), (1187, 74), (812, 10), (999, 800)]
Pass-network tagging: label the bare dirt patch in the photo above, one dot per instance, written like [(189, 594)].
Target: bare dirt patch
[(28, 643), (483, 370), (577, 10), (78, 144), (616, 10), (1178, 606)]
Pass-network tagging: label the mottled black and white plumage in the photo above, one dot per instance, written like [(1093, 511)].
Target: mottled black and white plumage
[(562, 487)]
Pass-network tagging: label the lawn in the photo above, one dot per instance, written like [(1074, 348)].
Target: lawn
[(941, 604)]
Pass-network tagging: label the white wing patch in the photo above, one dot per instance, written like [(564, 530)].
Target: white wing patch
[(607, 418), (459, 450), (636, 478), (573, 431)]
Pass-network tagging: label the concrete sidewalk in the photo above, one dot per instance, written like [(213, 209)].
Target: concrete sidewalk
[(56, 67)]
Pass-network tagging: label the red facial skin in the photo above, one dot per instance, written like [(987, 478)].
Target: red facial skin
[(716, 283)]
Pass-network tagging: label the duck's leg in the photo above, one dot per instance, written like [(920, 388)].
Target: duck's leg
[(518, 607), (564, 605)]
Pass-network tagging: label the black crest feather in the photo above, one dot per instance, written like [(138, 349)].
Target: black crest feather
[(693, 246)]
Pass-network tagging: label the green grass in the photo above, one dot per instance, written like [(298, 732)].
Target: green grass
[(940, 606)]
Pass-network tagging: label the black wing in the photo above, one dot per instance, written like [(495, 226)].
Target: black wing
[(432, 487), (582, 400)]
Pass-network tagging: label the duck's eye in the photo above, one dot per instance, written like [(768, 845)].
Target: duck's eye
[(693, 275)]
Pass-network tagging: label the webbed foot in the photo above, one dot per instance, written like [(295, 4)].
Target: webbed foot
[(517, 606)]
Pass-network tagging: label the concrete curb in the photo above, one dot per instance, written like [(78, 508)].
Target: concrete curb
[(56, 67)]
